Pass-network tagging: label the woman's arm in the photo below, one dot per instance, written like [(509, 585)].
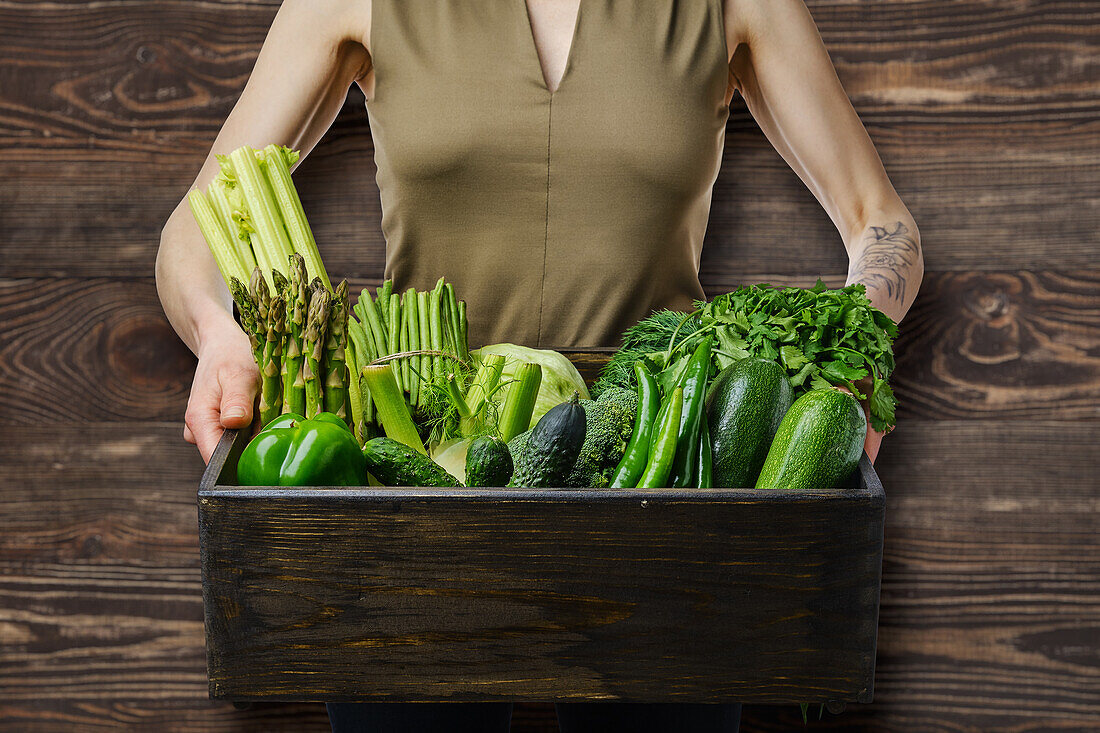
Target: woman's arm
[(781, 67), (313, 53)]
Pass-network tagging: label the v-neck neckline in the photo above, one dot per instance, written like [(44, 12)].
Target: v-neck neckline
[(534, 49)]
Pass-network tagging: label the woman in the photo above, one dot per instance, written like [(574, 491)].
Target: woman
[(554, 159)]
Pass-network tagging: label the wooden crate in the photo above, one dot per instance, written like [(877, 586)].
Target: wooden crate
[(424, 594)]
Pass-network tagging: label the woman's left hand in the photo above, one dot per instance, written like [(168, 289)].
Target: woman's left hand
[(872, 443)]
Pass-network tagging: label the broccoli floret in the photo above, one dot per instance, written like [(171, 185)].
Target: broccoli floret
[(625, 399), (609, 424)]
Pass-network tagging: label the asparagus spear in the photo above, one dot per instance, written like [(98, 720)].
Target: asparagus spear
[(316, 286), (279, 282), (250, 318), (271, 402), (294, 395), (335, 363), (313, 348), (260, 292), (271, 317)]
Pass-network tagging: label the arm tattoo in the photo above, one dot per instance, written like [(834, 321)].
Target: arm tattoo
[(883, 264)]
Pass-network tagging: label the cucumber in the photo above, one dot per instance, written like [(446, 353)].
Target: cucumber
[(818, 445), (745, 405), (396, 464), (488, 462), (551, 449)]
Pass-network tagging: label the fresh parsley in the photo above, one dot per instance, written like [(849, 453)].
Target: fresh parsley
[(822, 337)]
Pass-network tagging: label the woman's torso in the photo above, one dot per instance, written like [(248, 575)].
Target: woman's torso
[(562, 217)]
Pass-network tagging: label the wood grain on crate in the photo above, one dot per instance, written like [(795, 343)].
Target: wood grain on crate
[(483, 594)]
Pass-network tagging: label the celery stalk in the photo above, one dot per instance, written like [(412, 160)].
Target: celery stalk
[(263, 210), (515, 417), (241, 241), (393, 413), (217, 238), (276, 168)]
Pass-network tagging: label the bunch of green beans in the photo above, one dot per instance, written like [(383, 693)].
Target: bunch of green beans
[(418, 332)]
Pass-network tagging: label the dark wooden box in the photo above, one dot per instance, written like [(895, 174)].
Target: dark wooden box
[(417, 594)]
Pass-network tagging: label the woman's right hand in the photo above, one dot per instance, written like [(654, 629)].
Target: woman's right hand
[(224, 391)]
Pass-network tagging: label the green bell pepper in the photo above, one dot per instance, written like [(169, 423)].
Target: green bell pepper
[(294, 451)]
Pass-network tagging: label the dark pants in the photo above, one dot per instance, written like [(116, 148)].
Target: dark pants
[(496, 717)]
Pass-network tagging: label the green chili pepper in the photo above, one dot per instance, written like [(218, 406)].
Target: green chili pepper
[(662, 449), (694, 383), (704, 477), (637, 450)]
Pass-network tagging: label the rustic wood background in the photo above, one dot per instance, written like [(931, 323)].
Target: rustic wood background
[(987, 115)]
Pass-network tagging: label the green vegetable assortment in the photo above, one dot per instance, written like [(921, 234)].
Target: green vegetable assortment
[(740, 392), (821, 337)]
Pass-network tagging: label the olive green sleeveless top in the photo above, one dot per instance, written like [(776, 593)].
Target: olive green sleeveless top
[(561, 217)]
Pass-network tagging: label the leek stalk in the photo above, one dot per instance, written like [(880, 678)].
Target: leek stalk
[(393, 413), (515, 417)]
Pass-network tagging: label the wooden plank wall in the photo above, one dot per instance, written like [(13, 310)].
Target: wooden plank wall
[(987, 115)]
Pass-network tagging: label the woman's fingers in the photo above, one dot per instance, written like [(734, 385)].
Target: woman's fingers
[(239, 388), (226, 383), (872, 443), (203, 419)]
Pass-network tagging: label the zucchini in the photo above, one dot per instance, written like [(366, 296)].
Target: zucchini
[(745, 405), (396, 464), (818, 445), (488, 462), (552, 447)]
